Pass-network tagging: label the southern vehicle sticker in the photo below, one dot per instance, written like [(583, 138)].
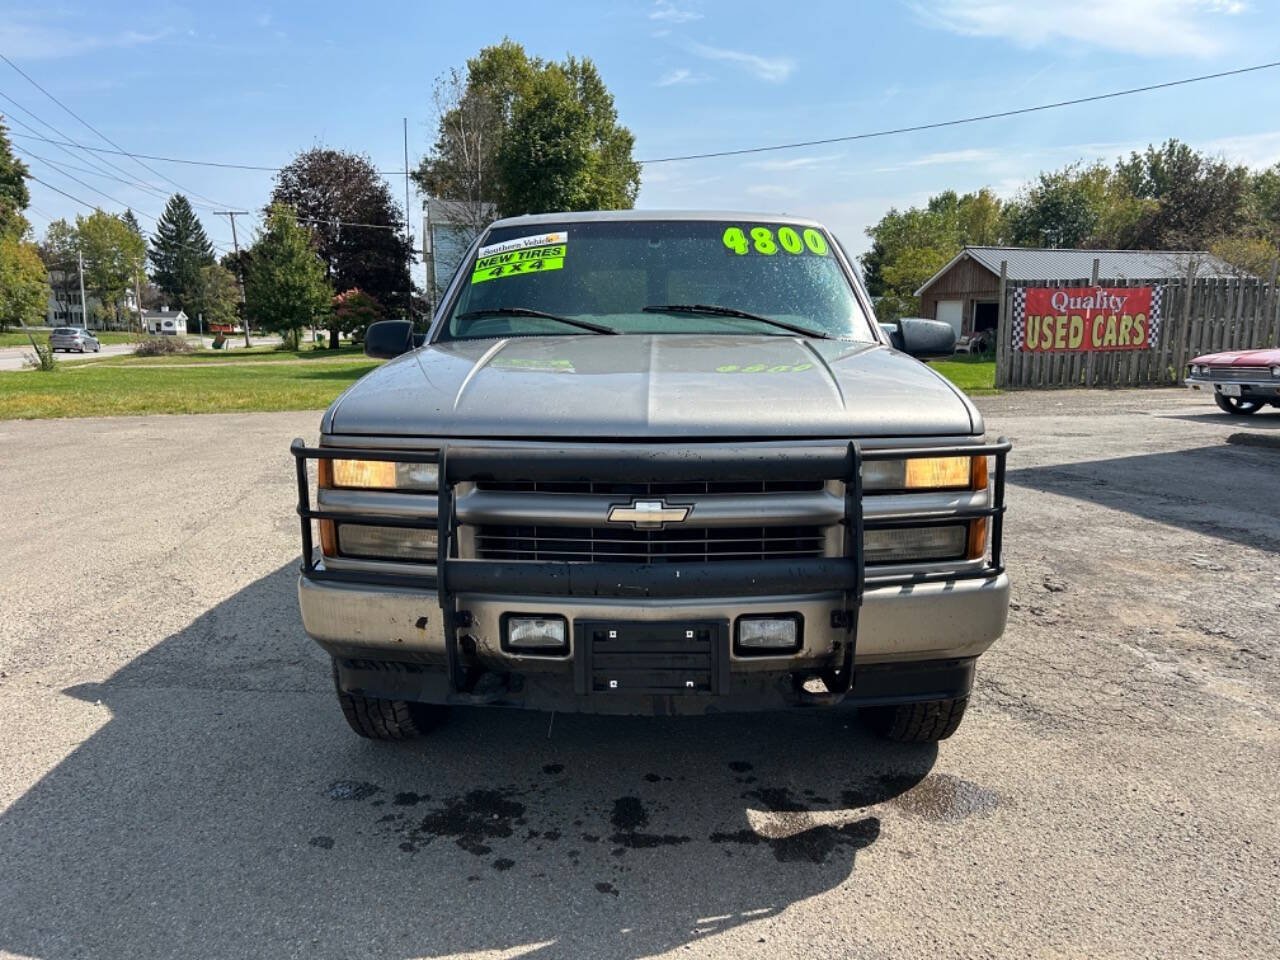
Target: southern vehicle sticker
[(763, 240), (523, 255), (524, 243)]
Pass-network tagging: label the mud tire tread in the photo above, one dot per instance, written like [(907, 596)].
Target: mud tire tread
[(377, 718), (925, 722)]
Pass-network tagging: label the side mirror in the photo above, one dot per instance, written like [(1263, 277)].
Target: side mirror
[(922, 338), (388, 338)]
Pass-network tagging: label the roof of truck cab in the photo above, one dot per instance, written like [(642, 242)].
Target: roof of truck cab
[(597, 216)]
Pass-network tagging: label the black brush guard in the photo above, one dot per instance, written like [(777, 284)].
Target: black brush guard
[(460, 462)]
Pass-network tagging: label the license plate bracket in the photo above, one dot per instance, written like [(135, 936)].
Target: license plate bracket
[(1230, 389), (663, 658)]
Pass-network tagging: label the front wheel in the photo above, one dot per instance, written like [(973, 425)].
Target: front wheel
[(924, 722), (1237, 405), (377, 718)]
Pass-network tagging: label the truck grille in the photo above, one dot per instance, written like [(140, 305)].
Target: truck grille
[(663, 489), (621, 545)]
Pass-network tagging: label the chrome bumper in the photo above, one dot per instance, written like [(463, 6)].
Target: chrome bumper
[(1263, 389), (928, 621)]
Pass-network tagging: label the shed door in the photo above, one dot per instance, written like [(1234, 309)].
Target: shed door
[(952, 311)]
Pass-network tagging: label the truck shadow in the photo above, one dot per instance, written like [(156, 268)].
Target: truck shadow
[(1214, 490), (222, 808)]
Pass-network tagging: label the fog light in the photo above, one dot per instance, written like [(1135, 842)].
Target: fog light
[(539, 634), (768, 634)]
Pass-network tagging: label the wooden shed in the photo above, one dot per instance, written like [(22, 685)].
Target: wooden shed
[(966, 292)]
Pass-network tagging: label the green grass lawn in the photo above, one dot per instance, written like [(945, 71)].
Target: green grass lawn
[(974, 375), (264, 354), (143, 386), (16, 338)]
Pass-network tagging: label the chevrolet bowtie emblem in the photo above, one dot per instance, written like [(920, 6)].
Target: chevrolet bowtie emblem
[(648, 514)]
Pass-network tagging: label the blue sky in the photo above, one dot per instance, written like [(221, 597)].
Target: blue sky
[(255, 83)]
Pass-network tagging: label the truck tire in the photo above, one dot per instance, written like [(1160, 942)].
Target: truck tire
[(380, 719), (924, 722)]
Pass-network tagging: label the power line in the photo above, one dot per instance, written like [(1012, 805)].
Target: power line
[(95, 130), (94, 206), (762, 149), (964, 120), (68, 142)]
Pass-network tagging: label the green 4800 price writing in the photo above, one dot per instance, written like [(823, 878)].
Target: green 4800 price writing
[(763, 240)]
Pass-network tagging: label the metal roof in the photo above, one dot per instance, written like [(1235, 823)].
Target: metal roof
[(1039, 263), (589, 216)]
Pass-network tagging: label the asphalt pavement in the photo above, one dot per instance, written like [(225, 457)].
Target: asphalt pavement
[(11, 358), (176, 778)]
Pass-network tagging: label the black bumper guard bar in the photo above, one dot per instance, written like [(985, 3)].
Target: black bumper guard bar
[(462, 462)]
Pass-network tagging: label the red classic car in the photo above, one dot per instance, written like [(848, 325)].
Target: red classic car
[(1242, 381)]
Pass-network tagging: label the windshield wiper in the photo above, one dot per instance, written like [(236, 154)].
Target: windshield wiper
[(718, 311), (526, 312)]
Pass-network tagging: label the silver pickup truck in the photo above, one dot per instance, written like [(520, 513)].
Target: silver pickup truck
[(658, 463)]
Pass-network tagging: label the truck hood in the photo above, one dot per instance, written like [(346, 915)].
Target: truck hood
[(650, 386)]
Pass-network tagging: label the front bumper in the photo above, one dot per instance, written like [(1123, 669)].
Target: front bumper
[(925, 622), (1265, 391), (437, 635)]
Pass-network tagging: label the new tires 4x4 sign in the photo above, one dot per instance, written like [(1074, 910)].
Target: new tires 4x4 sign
[(1084, 319)]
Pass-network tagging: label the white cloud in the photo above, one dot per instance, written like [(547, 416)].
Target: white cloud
[(774, 191), (677, 76), (796, 163), (37, 41), (1254, 150), (1141, 27), (667, 11), (948, 157), (770, 69)]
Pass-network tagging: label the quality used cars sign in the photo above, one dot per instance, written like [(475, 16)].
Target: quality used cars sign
[(1085, 318)]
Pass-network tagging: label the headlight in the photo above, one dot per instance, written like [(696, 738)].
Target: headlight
[(379, 475), (386, 543), (925, 473), (1194, 370), (1275, 371), (913, 544)]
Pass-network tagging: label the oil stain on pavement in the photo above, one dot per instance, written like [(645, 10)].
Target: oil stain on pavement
[(803, 829)]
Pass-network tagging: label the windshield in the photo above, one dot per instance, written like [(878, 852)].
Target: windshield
[(656, 276)]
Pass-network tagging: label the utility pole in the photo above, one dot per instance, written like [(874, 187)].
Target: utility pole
[(409, 265), (84, 307), (244, 310), (137, 292)]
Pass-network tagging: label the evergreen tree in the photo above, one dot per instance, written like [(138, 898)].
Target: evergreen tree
[(179, 249), (131, 221)]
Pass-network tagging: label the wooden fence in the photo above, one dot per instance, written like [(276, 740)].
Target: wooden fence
[(1198, 315)]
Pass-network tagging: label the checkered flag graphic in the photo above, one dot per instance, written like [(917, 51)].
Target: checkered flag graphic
[(1157, 302), (1019, 317)]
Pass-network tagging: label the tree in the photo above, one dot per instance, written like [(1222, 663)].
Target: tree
[(59, 250), (179, 249), (1193, 198), (564, 149), (14, 195), (529, 136), (910, 246), (286, 285), (113, 257), (216, 298), (24, 285), (357, 228), (354, 310)]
